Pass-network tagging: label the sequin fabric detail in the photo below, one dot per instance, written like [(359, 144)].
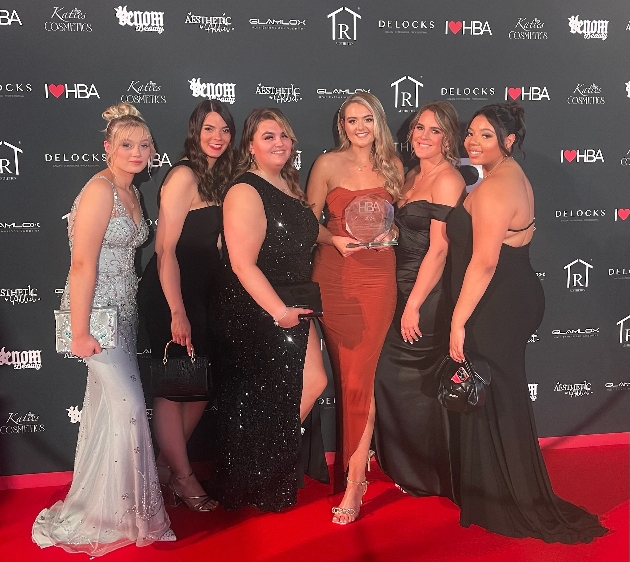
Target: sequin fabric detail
[(259, 405), (116, 279)]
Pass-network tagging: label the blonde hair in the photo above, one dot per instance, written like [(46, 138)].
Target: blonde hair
[(122, 119), (245, 161), (383, 150), (448, 121)]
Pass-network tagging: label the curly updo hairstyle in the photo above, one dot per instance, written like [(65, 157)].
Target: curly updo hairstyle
[(122, 119), (506, 118)]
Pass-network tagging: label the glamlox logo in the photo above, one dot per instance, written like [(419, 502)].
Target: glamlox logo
[(270, 23), (574, 390), (142, 21), (622, 214), (473, 27), (211, 24), (623, 385), (285, 94), (624, 331), (77, 91), (528, 29), (344, 26), (19, 227), (529, 93), (577, 275), (67, 20), (406, 95), (25, 423), (10, 167), (576, 333), (587, 156), (19, 296), (533, 391), (31, 359), (222, 91), (589, 29), (7, 18), (338, 93)]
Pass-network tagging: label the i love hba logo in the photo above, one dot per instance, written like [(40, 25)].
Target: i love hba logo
[(622, 214), (473, 27), (76, 91), (529, 93), (588, 156)]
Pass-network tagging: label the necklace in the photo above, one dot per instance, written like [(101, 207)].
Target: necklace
[(133, 206), (360, 168), (423, 175), (495, 167)]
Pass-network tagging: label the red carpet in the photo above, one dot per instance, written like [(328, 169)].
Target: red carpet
[(392, 527)]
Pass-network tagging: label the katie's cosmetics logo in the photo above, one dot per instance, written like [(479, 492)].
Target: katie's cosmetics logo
[(586, 94), (143, 92), (69, 20), (25, 423), (527, 30), (472, 27)]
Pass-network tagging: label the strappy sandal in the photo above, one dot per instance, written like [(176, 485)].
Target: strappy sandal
[(337, 511), (194, 503)]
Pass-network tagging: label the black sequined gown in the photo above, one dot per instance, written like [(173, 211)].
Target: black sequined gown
[(411, 428), (259, 400)]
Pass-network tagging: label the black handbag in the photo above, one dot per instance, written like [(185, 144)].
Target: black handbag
[(302, 295), (180, 377), (462, 386)]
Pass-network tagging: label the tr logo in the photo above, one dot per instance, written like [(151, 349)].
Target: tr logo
[(405, 98), (577, 275), (341, 32)]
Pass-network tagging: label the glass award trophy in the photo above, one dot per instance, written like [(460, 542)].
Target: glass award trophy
[(367, 218)]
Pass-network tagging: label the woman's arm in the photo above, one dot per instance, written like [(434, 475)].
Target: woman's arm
[(93, 214), (492, 210), (245, 227), (178, 193)]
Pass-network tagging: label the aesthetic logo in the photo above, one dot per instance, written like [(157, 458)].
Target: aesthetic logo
[(338, 93), (19, 296), (576, 333), (472, 27), (527, 93), (533, 391), (143, 92), (75, 159), (26, 423), (624, 331), (16, 90), (467, 93), (9, 161), (269, 23), (580, 215), (344, 32), (211, 24), (586, 95), (282, 94), (225, 91), (577, 275), (31, 359), (142, 21), (406, 26), (406, 95), (586, 156), (528, 30), (67, 20), (24, 227), (7, 18), (589, 29), (77, 91), (574, 390)]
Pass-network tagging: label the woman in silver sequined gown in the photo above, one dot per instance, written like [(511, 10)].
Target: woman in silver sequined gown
[(115, 497)]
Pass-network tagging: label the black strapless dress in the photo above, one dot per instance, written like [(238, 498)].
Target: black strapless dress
[(504, 483), (198, 259), (411, 428)]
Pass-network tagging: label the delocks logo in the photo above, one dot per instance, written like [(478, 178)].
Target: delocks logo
[(467, 93), (589, 29), (75, 159), (271, 23), (19, 296), (9, 160), (143, 92), (211, 24), (619, 273), (282, 94), (222, 91), (344, 26), (9, 18), (586, 95), (15, 90), (577, 275), (31, 359), (406, 26), (473, 27), (142, 21), (575, 389), (528, 30), (338, 93), (580, 215), (406, 94), (77, 91), (72, 20), (25, 423), (527, 93), (586, 156)]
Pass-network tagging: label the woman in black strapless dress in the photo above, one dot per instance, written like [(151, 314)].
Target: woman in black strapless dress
[(504, 484), (411, 428), (178, 287)]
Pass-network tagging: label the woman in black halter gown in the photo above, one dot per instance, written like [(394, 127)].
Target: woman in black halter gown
[(504, 484), (411, 428)]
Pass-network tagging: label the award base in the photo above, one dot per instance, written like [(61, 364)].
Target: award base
[(372, 244)]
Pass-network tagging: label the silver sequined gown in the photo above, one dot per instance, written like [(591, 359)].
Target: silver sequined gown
[(115, 497)]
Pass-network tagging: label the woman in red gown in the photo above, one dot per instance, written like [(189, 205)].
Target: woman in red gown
[(358, 285)]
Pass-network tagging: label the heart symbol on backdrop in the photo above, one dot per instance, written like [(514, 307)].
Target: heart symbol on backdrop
[(56, 89), (623, 214), (514, 92), (455, 26), (569, 155)]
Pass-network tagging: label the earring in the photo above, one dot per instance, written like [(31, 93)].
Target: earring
[(149, 167), (252, 160)]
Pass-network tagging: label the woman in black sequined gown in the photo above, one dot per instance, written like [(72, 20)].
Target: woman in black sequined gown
[(273, 369), (411, 428), (504, 485)]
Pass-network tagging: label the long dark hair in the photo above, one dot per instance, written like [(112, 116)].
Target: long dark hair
[(507, 118), (211, 182)]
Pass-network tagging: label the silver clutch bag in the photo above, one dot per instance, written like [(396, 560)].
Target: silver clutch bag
[(103, 326)]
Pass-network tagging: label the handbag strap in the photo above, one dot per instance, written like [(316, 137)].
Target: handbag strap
[(192, 353)]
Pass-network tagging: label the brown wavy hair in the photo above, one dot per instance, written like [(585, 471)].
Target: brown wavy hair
[(448, 121), (122, 119), (211, 181), (383, 150), (245, 162)]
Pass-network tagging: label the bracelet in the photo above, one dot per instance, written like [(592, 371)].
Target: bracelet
[(277, 322)]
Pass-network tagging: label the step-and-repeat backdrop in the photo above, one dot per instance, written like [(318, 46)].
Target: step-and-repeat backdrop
[(564, 61)]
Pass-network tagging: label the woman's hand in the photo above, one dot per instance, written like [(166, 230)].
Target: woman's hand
[(290, 319), (180, 330), (410, 324), (456, 349), (341, 243), (84, 346)]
